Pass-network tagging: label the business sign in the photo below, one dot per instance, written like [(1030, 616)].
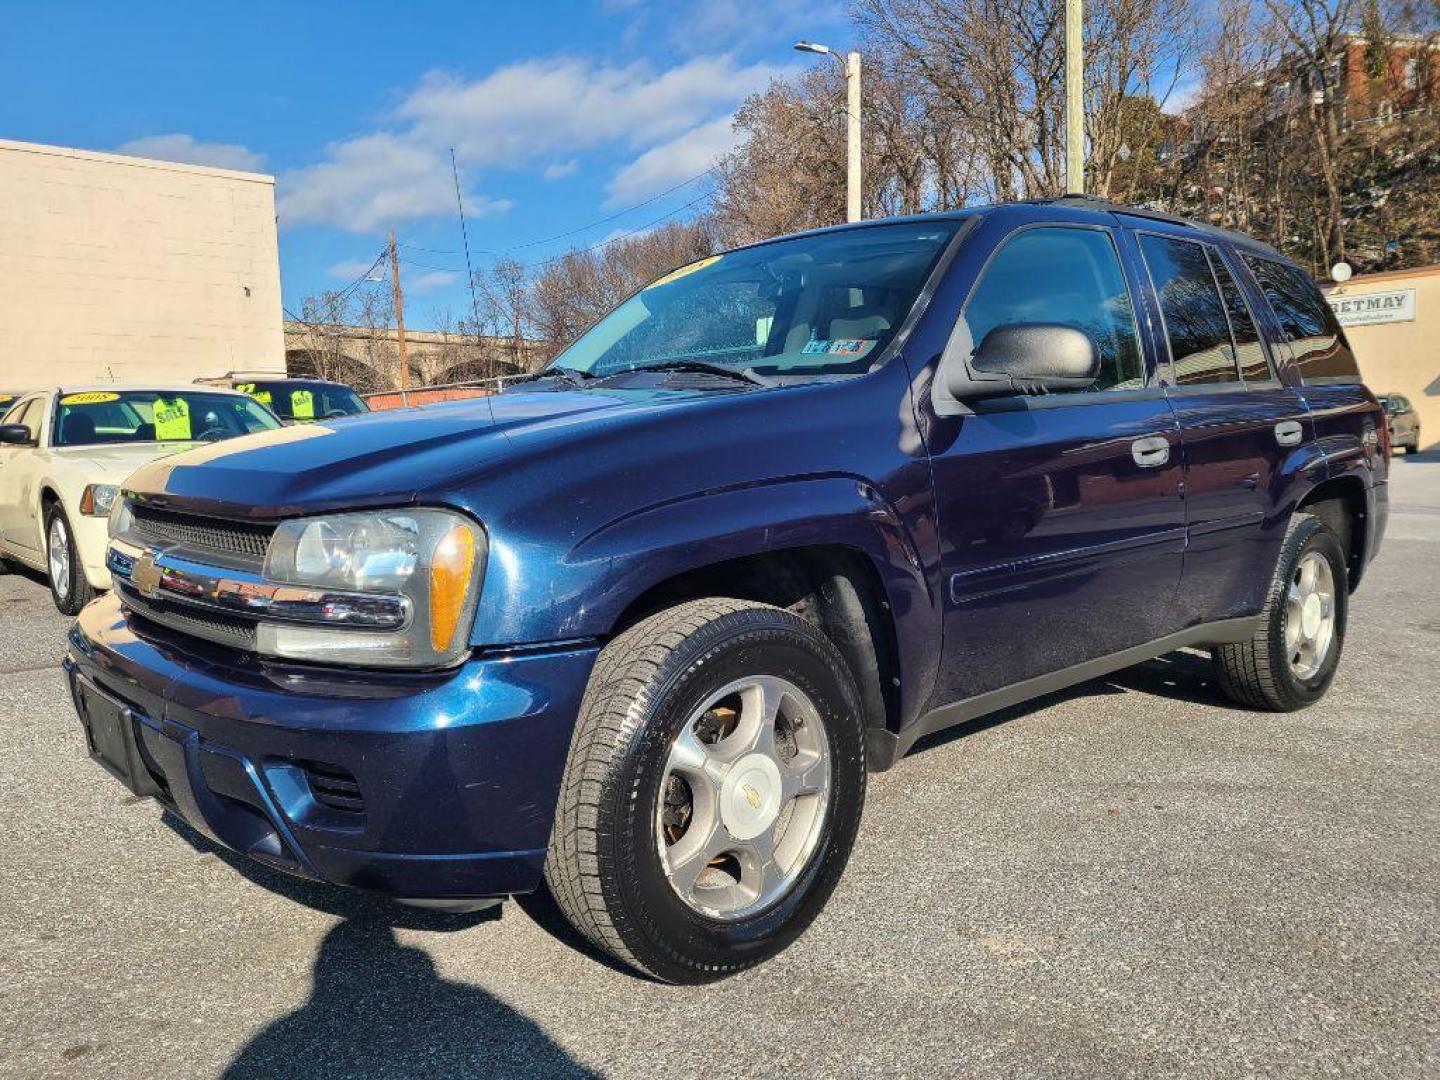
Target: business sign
[(1367, 309)]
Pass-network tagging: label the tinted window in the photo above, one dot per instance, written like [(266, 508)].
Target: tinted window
[(1195, 323), (28, 413), (1254, 365), (1062, 275), (1319, 346)]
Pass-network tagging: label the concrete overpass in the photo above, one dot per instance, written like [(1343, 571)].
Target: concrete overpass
[(368, 358)]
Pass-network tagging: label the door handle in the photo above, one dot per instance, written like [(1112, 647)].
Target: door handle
[(1288, 432), (1150, 452)]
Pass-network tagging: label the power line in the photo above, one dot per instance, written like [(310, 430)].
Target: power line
[(427, 266), (624, 235), (610, 218), (420, 247)]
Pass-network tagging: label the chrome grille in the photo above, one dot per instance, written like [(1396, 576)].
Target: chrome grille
[(221, 629), (245, 540)]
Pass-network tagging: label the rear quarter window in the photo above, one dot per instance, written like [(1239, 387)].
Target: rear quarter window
[(1317, 343)]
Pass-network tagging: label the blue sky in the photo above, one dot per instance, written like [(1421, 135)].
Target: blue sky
[(561, 114)]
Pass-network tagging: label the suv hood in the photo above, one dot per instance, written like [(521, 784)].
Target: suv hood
[(379, 459)]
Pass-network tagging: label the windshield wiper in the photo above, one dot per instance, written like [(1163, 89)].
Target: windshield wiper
[(569, 376), (747, 375)]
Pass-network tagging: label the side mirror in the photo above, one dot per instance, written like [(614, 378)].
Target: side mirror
[(15, 435), (1027, 358)]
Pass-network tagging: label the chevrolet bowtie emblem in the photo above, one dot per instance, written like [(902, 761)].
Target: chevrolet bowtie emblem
[(146, 576), (752, 797)]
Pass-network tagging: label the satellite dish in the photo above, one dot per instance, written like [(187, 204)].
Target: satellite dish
[(1341, 272)]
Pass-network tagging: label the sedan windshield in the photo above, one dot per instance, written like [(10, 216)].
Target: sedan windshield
[(826, 304), (303, 402), (147, 416)]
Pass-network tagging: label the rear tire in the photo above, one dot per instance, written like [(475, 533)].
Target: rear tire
[(69, 587), (623, 834), (1291, 660)]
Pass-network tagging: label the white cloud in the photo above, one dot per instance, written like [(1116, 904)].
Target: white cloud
[(373, 181), (515, 117), (349, 269), (431, 280), (561, 169), (191, 151), (662, 167)]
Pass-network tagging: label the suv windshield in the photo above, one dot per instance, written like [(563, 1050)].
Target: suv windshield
[(135, 416), (826, 304), (304, 401)]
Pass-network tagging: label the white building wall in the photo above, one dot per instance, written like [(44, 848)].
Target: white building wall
[(124, 268)]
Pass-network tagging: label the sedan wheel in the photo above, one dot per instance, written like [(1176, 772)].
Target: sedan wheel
[(69, 587)]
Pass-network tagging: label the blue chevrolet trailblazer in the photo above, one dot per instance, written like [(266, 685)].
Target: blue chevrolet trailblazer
[(636, 630)]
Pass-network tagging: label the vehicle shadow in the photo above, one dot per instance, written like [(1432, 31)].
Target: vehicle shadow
[(1184, 675), (381, 1009), (332, 899), (373, 908)]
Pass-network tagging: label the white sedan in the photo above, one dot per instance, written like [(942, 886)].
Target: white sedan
[(64, 452)]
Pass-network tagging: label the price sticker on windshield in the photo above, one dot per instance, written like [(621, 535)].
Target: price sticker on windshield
[(172, 420), (90, 397), (302, 404)]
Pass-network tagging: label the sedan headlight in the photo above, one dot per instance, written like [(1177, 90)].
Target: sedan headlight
[(433, 558), (98, 499)]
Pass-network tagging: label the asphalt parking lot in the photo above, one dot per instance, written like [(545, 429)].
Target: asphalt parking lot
[(1129, 879)]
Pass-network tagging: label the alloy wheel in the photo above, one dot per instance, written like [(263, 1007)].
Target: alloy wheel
[(59, 557), (1309, 615), (742, 803)]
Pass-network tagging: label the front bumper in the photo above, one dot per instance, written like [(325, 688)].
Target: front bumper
[(448, 781)]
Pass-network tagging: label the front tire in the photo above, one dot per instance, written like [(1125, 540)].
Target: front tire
[(713, 790), (1291, 660), (69, 587)]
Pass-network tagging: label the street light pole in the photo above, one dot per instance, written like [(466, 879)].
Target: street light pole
[(1074, 97), (851, 66), (852, 137)]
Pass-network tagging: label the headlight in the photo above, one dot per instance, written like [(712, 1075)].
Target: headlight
[(121, 518), (432, 557), (97, 499)]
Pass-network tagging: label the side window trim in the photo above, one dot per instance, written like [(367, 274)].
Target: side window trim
[(1150, 378), (1216, 257), (1238, 383), (1267, 324)]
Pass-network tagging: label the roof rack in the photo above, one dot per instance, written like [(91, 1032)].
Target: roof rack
[(244, 371), (1094, 202)]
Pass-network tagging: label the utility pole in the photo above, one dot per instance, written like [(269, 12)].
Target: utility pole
[(1074, 97), (851, 66), (399, 314)]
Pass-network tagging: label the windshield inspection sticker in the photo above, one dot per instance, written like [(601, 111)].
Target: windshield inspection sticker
[(850, 346), (819, 345), (91, 397)]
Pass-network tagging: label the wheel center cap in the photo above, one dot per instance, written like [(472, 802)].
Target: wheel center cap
[(1311, 615), (750, 796)]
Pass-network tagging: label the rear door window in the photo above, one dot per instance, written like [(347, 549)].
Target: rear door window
[(1249, 352), (1318, 344), (1196, 326)]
